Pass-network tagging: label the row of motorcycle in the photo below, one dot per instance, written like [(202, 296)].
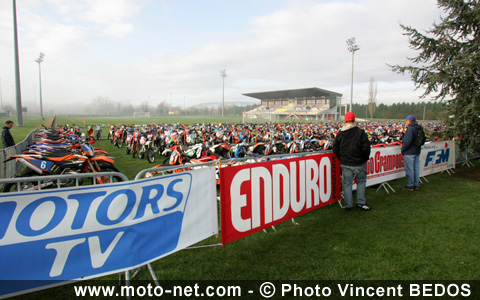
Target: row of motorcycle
[(193, 146), (59, 152)]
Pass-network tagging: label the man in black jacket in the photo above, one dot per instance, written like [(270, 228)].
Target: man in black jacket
[(7, 138), (352, 148), (411, 154)]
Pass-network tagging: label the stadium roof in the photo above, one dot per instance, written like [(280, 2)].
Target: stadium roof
[(290, 94)]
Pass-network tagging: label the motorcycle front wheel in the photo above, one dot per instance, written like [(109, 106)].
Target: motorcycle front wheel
[(27, 185), (108, 167), (151, 155)]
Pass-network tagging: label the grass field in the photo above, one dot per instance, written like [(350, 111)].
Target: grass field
[(431, 234)]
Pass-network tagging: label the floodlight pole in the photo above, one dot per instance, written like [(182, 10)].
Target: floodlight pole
[(39, 60), (352, 47), (17, 68), (223, 74), (1, 94)]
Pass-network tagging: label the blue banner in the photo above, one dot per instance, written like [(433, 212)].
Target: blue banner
[(71, 234)]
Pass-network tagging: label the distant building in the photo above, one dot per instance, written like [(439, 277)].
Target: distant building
[(174, 112), (309, 103)]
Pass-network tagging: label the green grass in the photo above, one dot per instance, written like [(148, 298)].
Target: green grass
[(431, 234)]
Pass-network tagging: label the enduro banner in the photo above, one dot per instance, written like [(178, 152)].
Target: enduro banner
[(49, 237), (257, 196), (437, 157)]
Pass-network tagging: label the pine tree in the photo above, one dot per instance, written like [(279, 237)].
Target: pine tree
[(448, 67)]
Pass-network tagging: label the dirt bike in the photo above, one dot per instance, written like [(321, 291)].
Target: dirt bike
[(128, 144), (240, 150), (135, 143), (58, 164), (174, 156), (111, 133), (118, 138), (150, 146), (257, 148), (99, 132), (142, 149), (292, 147), (221, 149)]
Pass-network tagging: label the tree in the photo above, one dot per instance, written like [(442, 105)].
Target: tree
[(372, 97), (9, 109), (448, 67)]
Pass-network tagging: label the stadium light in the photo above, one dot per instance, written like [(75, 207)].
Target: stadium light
[(1, 94), (17, 68), (223, 74), (39, 60), (352, 47)]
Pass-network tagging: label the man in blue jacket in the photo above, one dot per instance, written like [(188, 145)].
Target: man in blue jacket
[(352, 148), (411, 154)]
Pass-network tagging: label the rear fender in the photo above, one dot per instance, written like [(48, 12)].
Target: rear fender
[(98, 150), (102, 158)]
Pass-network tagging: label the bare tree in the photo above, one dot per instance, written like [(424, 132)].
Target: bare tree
[(9, 109), (372, 97)]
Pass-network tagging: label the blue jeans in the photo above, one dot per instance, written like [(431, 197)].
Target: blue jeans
[(412, 170), (348, 174)]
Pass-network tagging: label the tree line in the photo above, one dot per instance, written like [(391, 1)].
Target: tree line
[(105, 106), (421, 110)]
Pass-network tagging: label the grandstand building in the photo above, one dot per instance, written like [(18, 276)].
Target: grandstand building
[(310, 104)]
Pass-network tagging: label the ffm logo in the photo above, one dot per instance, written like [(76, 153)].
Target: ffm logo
[(437, 157)]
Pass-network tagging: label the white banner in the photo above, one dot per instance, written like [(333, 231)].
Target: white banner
[(437, 157), (49, 237), (387, 164)]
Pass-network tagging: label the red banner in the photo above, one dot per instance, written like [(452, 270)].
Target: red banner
[(258, 196)]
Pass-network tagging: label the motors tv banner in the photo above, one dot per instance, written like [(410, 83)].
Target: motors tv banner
[(260, 195), (50, 237)]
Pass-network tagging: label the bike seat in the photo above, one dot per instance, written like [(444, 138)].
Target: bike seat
[(56, 154)]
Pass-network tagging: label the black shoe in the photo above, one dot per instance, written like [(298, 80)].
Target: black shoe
[(363, 207), (416, 188), (408, 188), (347, 208)]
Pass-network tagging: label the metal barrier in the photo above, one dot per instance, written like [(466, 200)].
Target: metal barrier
[(8, 169), (60, 180), (464, 158), (252, 159), (163, 170)]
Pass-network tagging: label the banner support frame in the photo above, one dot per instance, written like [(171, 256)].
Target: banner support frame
[(385, 185)]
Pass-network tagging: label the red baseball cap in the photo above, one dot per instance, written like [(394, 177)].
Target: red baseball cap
[(349, 117)]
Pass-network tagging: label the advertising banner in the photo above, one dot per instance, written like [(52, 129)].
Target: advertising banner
[(387, 164), (437, 157), (49, 237), (258, 196)]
